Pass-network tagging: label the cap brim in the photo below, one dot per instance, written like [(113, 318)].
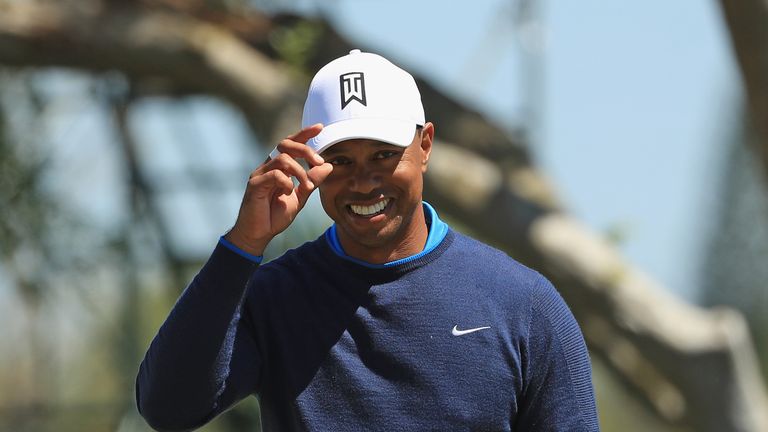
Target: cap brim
[(396, 132)]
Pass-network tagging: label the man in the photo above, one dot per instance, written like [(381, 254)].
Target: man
[(390, 320)]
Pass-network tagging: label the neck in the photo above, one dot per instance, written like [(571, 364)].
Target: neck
[(408, 242)]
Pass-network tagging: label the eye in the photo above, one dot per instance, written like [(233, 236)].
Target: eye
[(339, 160), (384, 154)]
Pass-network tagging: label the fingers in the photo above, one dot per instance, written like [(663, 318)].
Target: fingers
[(319, 173), (299, 150), (290, 167), (305, 134), (295, 146), (284, 161), (267, 184), (317, 176)]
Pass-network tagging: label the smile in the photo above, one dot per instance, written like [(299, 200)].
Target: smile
[(369, 210)]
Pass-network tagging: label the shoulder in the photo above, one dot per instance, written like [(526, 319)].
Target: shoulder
[(532, 307), (515, 286), (491, 264), (498, 278)]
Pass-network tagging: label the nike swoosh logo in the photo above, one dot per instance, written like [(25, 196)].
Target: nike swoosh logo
[(456, 332)]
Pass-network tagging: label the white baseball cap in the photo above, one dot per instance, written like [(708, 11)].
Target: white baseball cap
[(362, 95)]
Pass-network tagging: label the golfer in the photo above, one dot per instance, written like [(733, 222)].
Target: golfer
[(389, 321)]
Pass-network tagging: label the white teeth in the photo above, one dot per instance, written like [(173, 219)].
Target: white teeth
[(371, 209)]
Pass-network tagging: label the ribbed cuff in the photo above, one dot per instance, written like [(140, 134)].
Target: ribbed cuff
[(254, 258)]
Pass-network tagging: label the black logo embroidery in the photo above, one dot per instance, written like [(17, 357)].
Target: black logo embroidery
[(352, 87)]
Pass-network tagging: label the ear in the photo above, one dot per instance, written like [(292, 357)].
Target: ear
[(427, 136)]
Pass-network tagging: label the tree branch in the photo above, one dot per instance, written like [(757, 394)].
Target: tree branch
[(176, 52)]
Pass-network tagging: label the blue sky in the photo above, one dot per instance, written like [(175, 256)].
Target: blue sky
[(629, 104)]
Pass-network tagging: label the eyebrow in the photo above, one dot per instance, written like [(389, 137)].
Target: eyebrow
[(335, 149), (330, 151)]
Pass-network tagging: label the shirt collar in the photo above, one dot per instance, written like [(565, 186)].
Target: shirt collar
[(437, 232)]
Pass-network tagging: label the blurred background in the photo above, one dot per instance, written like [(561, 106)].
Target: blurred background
[(618, 147)]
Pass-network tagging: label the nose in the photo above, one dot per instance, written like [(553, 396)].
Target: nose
[(364, 179)]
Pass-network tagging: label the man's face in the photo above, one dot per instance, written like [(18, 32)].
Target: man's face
[(374, 191)]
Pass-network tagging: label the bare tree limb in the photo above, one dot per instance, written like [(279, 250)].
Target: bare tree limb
[(694, 367)]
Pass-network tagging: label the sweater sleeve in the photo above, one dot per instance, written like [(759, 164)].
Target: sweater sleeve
[(557, 393), (205, 357)]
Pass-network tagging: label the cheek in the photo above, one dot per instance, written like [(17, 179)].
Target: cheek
[(409, 176)]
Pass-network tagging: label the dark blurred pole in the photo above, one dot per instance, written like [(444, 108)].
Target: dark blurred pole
[(128, 347), (144, 202), (25, 257), (747, 22), (734, 270), (532, 36)]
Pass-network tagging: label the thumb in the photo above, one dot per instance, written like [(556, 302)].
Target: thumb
[(317, 176)]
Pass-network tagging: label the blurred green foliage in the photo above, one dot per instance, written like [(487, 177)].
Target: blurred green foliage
[(295, 44)]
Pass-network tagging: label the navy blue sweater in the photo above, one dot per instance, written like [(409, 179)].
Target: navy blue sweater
[(328, 344)]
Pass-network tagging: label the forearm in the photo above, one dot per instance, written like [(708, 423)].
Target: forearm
[(187, 365)]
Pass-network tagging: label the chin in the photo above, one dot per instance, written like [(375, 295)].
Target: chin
[(381, 237)]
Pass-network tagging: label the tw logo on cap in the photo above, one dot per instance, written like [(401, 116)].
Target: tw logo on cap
[(352, 85)]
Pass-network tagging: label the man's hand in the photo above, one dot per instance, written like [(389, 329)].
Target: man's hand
[(271, 201)]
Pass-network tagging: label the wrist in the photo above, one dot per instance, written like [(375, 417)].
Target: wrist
[(254, 247)]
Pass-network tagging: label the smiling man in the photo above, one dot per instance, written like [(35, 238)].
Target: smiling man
[(390, 320)]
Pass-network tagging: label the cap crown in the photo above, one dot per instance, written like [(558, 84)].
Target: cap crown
[(362, 86)]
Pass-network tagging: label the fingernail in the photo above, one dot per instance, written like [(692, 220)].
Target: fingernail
[(319, 159), (310, 185)]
